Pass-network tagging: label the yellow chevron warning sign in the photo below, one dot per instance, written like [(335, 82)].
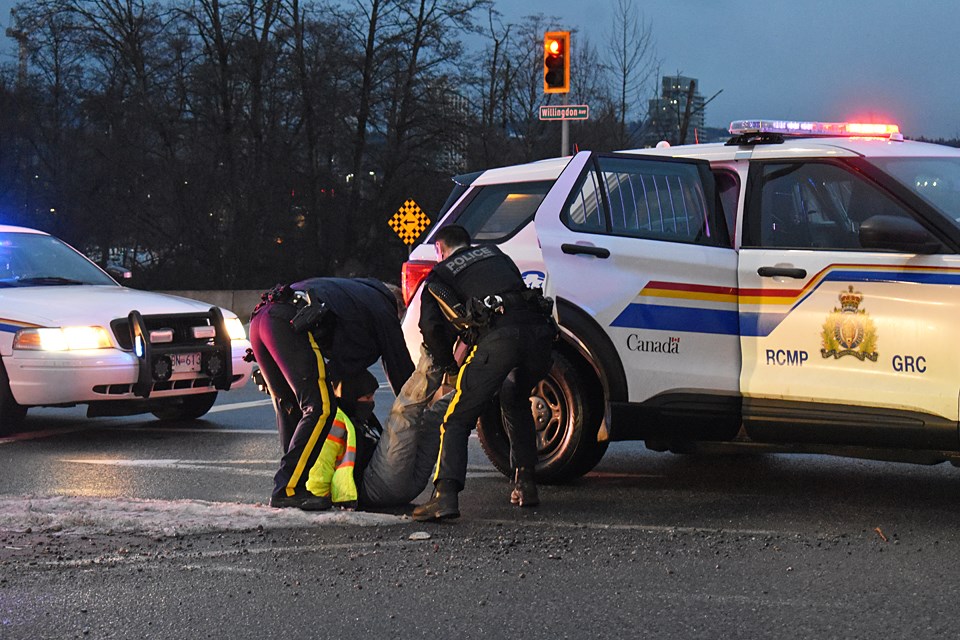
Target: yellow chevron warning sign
[(409, 222)]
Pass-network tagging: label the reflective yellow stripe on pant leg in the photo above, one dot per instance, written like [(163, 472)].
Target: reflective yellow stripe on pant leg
[(450, 408), (318, 427)]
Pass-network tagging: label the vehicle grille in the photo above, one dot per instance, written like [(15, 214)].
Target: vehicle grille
[(195, 383), (181, 325)]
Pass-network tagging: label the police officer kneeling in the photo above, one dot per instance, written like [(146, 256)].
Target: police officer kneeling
[(478, 293)]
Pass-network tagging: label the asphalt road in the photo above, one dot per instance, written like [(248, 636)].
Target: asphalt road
[(648, 545)]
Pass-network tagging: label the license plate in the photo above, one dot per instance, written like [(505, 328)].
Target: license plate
[(185, 362)]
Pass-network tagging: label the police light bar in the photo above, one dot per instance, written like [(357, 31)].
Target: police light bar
[(798, 128)]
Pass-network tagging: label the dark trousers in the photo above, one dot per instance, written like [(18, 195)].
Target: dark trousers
[(303, 400), (508, 360)]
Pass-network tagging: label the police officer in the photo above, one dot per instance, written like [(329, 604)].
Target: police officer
[(299, 331), (480, 291)]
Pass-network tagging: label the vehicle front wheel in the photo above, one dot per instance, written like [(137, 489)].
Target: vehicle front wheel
[(11, 413), (186, 407), (567, 423)]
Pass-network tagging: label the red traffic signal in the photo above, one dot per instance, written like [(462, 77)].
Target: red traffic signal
[(556, 62)]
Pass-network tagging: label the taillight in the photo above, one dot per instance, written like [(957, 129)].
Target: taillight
[(414, 271)]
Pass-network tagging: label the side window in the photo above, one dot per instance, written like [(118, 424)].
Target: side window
[(814, 205), (584, 212), (638, 198), (728, 188), (498, 211)]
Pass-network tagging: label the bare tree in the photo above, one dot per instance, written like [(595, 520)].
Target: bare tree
[(632, 61), (243, 142)]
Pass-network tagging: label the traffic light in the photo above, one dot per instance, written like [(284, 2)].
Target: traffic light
[(556, 62)]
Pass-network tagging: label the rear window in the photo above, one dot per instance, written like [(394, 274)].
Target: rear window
[(496, 212)]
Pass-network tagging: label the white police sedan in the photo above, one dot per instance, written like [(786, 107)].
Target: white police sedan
[(69, 334)]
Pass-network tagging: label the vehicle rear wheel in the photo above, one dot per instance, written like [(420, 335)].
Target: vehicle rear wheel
[(11, 413), (567, 423), (186, 407)]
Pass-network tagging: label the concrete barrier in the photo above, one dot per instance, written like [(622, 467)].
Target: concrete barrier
[(241, 301)]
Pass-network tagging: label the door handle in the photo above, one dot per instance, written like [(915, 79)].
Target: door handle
[(590, 250), (783, 272)]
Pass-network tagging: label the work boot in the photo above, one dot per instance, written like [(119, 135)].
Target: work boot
[(444, 503), (307, 502), (319, 503), (524, 492)]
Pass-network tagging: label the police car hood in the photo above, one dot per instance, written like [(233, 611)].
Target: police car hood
[(57, 306)]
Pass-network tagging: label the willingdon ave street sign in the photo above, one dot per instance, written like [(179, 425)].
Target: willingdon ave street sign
[(565, 112)]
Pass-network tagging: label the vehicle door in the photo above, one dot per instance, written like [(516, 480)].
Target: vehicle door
[(639, 244), (843, 343)]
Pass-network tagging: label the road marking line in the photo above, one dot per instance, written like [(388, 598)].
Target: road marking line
[(650, 528), (113, 426), (34, 435), (240, 405), (195, 465), (226, 466), (85, 424), (159, 462), (603, 475), (193, 554), (162, 429)]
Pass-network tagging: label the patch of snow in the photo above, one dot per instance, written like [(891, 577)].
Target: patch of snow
[(86, 515)]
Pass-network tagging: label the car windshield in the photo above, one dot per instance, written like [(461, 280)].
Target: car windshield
[(35, 260), (936, 180)]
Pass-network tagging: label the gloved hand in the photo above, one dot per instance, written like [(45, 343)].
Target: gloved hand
[(441, 393), (257, 376), (450, 378), (448, 382)]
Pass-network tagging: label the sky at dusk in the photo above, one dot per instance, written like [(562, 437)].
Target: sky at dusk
[(834, 60)]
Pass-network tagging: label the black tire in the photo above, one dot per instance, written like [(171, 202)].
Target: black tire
[(186, 407), (567, 424), (11, 413)]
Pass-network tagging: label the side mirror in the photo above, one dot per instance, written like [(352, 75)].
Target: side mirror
[(894, 233), (118, 273)]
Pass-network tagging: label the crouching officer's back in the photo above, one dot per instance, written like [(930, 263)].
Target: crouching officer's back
[(296, 333), (478, 293)]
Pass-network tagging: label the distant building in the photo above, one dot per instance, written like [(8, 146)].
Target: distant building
[(665, 114), (450, 128), (453, 158)]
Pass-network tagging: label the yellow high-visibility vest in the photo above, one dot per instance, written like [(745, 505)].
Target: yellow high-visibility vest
[(332, 474)]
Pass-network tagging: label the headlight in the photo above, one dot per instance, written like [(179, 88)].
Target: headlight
[(62, 339), (235, 329)]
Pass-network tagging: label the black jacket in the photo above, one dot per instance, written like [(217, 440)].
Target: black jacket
[(472, 272), (366, 329)]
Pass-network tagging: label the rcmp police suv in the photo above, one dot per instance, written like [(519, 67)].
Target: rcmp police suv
[(69, 334), (795, 289)]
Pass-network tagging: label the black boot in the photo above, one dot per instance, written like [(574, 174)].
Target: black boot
[(306, 502), (524, 492), (444, 503)]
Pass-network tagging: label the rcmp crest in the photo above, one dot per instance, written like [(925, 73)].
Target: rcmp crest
[(849, 331)]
